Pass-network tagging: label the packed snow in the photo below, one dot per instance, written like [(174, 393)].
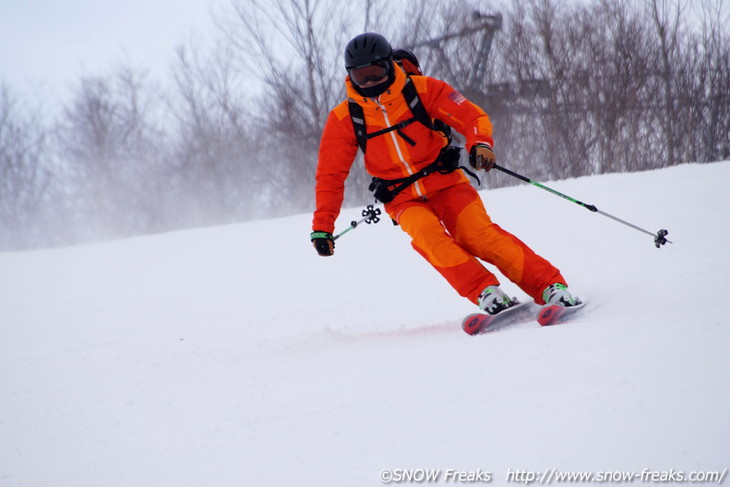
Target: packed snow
[(234, 355)]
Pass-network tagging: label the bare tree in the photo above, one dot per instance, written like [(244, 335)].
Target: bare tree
[(572, 89), (666, 16), (294, 48), (616, 91), (218, 166), (711, 107), (25, 175), (110, 143), (617, 76)]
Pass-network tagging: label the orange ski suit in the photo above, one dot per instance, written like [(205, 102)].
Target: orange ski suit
[(442, 213)]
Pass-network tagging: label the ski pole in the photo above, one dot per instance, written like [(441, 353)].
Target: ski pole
[(659, 237), (370, 215)]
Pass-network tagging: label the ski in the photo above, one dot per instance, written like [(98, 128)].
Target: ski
[(556, 314), (479, 323)]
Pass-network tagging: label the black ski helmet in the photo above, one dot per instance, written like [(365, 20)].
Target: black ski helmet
[(367, 48)]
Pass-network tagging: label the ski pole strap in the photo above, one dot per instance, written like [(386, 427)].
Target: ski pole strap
[(316, 235)]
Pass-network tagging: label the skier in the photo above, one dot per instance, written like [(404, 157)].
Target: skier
[(418, 178)]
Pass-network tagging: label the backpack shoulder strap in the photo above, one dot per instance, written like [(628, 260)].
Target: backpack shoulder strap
[(419, 111), (358, 122), (415, 104)]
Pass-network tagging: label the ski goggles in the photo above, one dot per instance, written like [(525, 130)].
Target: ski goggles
[(375, 72)]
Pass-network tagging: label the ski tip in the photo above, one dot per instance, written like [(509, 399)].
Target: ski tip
[(475, 323), (550, 315)]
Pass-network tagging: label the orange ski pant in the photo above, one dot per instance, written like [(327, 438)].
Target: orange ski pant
[(453, 232)]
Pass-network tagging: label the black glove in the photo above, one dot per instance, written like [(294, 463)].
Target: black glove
[(323, 243), (481, 156)]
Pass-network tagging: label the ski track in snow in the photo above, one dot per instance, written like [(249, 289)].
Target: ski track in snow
[(234, 355)]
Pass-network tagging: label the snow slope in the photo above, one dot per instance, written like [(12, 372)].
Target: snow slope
[(234, 356)]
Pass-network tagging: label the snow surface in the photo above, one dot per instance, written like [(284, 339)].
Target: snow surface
[(234, 355)]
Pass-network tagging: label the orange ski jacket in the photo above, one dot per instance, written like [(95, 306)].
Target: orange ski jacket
[(390, 156)]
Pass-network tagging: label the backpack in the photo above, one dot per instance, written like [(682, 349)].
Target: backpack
[(408, 61), (448, 160)]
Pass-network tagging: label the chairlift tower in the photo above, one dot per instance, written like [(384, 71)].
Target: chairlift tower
[(495, 93), (487, 25)]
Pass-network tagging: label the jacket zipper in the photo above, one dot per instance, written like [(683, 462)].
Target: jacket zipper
[(397, 149)]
